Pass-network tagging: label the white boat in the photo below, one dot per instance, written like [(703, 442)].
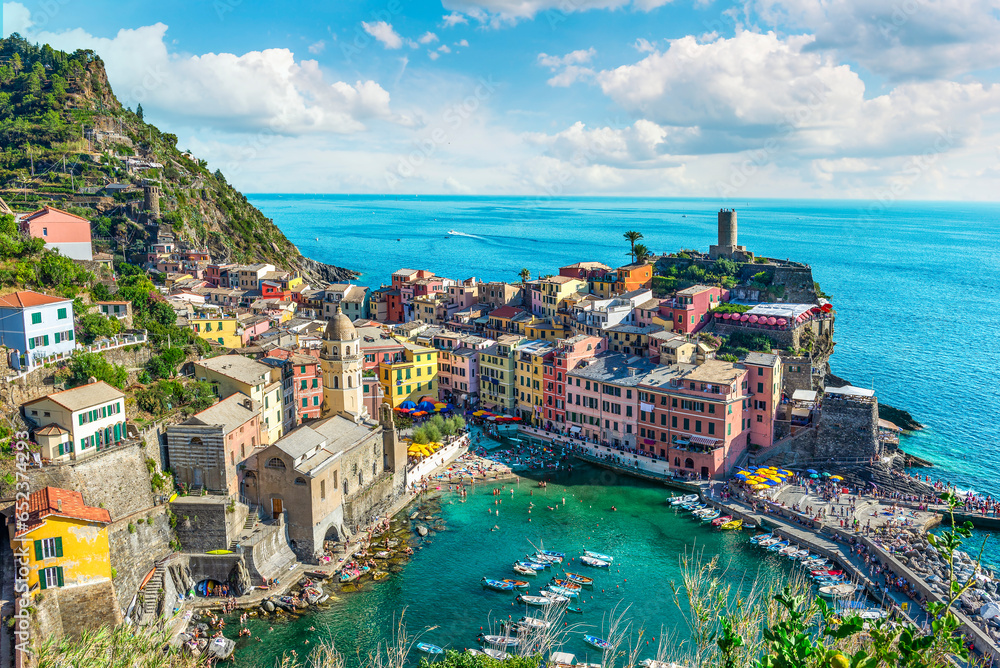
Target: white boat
[(554, 597), (539, 601), (524, 570), (505, 641), (598, 555), (678, 500), (534, 623), (838, 590), (761, 536), (497, 654), (596, 563)]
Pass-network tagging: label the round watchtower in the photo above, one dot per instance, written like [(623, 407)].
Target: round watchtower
[(151, 200), (727, 228)]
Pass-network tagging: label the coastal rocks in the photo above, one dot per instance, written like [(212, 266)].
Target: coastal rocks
[(268, 606), (422, 530)]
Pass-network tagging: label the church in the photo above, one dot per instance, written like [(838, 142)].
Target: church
[(331, 477)]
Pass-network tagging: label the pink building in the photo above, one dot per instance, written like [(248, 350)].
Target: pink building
[(692, 305), (307, 382), (602, 399), (584, 270), (764, 386), (61, 230), (464, 295), (566, 357)]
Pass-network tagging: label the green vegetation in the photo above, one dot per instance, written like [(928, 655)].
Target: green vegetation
[(740, 344), (165, 395), (632, 236), (640, 253), (731, 308), (84, 366), (95, 326), (435, 428)]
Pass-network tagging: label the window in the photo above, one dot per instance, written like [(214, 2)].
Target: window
[(315, 383), (36, 318), (687, 424), (322, 490), (760, 418), (729, 429), (50, 577), (62, 314), (711, 428), (673, 422), (697, 426), (48, 548), (305, 402), (275, 463), (300, 481), (315, 401)]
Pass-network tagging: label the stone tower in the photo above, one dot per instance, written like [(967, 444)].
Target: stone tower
[(392, 446), (728, 247), (151, 200), (341, 362)]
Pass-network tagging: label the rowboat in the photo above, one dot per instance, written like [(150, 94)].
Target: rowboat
[(838, 590), (517, 584), (540, 601), (798, 554), (533, 565), (788, 549), (702, 510), (497, 654), (693, 505), (809, 557), (767, 542), (533, 623), (503, 641), (428, 648), (815, 563), (678, 500), (567, 584), (777, 546), (524, 570), (598, 555), (710, 516), (545, 558), (554, 597), (820, 573), (594, 641), (734, 524), (596, 563), (562, 591), (496, 585), (550, 553), (719, 521), (761, 536), (579, 579)]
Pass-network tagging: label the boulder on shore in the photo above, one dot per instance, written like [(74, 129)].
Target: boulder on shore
[(422, 530)]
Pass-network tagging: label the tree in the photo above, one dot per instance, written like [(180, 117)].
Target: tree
[(640, 253), (7, 225), (138, 111), (525, 274), (632, 237), (85, 366), (96, 326)]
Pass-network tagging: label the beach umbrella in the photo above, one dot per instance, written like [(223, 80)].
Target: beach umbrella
[(825, 474), (408, 404), (785, 472), (835, 477), (811, 471), (759, 487), (813, 476), (727, 316), (428, 400), (425, 406)]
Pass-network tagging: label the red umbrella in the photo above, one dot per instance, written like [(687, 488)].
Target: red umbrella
[(782, 322), (753, 318), (718, 315), (744, 317), (727, 316), (772, 321)]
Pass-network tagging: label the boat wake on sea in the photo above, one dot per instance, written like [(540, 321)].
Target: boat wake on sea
[(463, 234)]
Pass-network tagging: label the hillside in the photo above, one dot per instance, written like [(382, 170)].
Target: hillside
[(65, 138)]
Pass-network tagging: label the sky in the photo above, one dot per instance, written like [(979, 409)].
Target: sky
[(851, 99)]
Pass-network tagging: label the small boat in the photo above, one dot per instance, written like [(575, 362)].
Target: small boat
[(533, 565), (598, 555), (574, 608), (517, 584), (719, 521), (496, 585), (540, 601), (554, 597), (761, 536), (777, 546), (837, 590), (815, 563), (788, 550), (550, 553), (544, 559), (504, 641), (579, 579), (870, 614), (701, 512), (524, 570), (497, 654), (533, 623), (595, 563), (567, 584), (822, 573), (428, 648), (798, 554), (678, 500), (768, 542), (594, 641), (734, 524), (710, 516), (562, 591), (693, 505)]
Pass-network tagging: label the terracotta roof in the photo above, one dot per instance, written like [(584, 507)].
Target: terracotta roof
[(506, 312), (29, 298), (61, 503), (45, 210), (51, 430)]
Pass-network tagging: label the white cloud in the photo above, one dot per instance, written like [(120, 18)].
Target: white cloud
[(643, 143), (917, 39), (497, 12), (317, 48), (16, 18), (267, 91), (444, 48), (453, 19), (462, 42), (453, 185), (433, 55), (427, 38), (644, 46), (568, 67), (384, 34)]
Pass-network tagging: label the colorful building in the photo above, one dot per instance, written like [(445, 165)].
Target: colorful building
[(227, 331), (61, 230), (79, 422), (602, 400), (567, 356), (66, 540), (764, 380), (552, 291), (231, 374), (692, 306), (497, 377), (695, 417), (34, 326), (307, 383), (411, 378), (584, 270), (530, 380)]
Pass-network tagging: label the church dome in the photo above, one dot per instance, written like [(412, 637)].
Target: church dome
[(340, 327)]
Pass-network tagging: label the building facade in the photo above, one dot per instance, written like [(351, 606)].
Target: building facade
[(79, 422), (34, 326)]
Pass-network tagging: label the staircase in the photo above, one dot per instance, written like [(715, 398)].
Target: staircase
[(151, 593), (248, 528)]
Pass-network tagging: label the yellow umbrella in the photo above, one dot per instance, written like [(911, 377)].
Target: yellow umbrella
[(759, 487), (835, 477)]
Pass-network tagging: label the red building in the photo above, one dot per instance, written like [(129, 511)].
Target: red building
[(764, 385), (566, 356), (692, 305), (695, 417), (307, 383)]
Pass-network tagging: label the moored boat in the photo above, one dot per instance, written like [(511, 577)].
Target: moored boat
[(842, 590), (567, 584), (497, 654), (502, 641), (798, 554), (496, 585), (533, 565), (678, 500), (554, 597), (731, 525), (552, 553), (594, 641), (517, 584), (598, 555), (768, 542), (562, 591), (719, 521), (534, 623), (539, 601), (579, 579), (759, 537), (595, 563), (709, 516), (428, 648), (777, 546), (524, 570)]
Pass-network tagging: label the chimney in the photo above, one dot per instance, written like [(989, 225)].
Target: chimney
[(59, 505)]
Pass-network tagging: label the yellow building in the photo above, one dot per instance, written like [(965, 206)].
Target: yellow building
[(553, 290), (497, 374), (222, 330), (546, 330), (412, 377), (64, 541), (231, 374), (529, 387)]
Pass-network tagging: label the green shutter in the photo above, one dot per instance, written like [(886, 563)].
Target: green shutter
[(45, 339), (71, 335), (38, 550), (81, 419), (61, 449), (41, 577), (62, 314), (36, 318), (59, 551), (59, 574)]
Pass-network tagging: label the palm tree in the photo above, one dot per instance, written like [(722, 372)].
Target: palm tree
[(632, 237), (640, 253), (524, 274)]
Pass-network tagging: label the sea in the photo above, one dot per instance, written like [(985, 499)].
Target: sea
[(914, 285)]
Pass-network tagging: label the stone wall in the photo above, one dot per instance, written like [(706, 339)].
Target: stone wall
[(209, 526), (847, 429), (363, 507), (269, 555), (796, 374), (69, 611), (134, 553)]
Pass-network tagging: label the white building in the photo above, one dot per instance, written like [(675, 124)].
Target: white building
[(78, 422), (35, 326)]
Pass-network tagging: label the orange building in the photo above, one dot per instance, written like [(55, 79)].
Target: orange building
[(634, 277)]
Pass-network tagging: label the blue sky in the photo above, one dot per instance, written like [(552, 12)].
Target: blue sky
[(867, 99)]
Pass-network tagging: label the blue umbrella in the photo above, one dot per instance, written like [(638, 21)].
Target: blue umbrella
[(425, 406), (408, 404), (811, 471), (741, 475), (825, 474)]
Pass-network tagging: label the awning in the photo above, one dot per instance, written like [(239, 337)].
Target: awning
[(703, 440), (574, 430), (647, 408)]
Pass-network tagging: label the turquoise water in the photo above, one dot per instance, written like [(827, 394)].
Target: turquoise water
[(914, 285), (440, 586)]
